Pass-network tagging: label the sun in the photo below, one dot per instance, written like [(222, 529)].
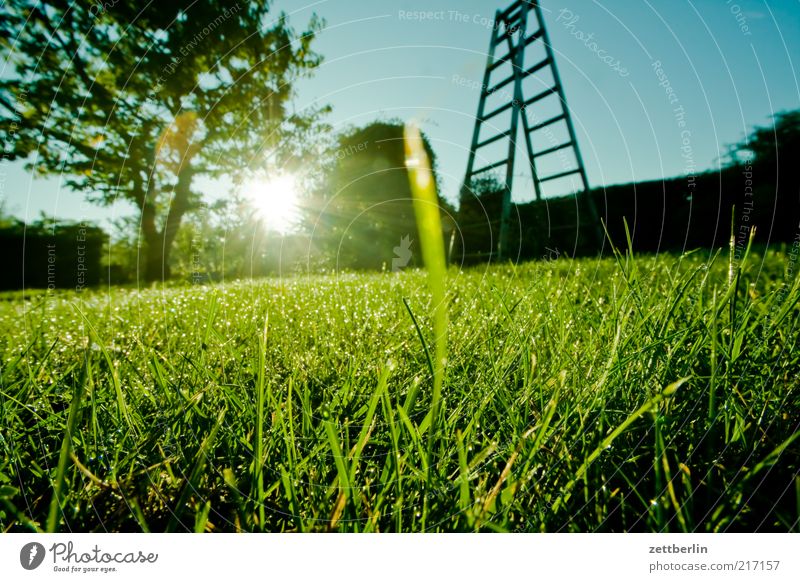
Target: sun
[(275, 199)]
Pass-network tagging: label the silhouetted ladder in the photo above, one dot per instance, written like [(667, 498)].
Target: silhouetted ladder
[(511, 24)]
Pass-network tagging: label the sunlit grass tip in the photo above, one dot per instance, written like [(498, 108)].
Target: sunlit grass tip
[(429, 225)]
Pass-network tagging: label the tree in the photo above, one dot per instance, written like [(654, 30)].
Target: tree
[(767, 145), (364, 210), (135, 100), (479, 218), (766, 164)]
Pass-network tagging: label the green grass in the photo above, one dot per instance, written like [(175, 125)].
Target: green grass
[(655, 394)]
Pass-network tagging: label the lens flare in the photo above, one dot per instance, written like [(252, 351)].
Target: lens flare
[(275, 199)]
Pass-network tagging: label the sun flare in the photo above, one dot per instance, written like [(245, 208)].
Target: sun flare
[(275, 200)]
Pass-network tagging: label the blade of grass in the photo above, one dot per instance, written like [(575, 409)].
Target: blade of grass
[(647, 406), (66, 448), (341, 470), (258, 447), (429, 225), (367, 423), (193, 481), (122, 406)]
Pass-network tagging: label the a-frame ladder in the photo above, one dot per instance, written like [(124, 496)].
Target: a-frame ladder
[(511, 29)]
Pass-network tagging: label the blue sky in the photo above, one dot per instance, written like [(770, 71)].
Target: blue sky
[(729, 64)]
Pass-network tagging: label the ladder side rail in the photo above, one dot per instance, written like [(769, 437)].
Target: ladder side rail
[(518, 64), (520, 74), (481, 105), (570, 127)]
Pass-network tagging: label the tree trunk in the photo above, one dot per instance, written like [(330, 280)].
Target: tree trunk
[(177, 209), (153, 255), (160, 243), (152, 268)]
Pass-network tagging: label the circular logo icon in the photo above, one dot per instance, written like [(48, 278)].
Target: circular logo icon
[(31, 555)]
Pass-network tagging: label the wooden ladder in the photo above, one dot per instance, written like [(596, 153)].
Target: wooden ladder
[(510, 23)]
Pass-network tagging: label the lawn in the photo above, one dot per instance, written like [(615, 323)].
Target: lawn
[(616, 394)]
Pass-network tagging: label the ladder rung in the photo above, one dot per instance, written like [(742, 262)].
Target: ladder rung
[(561, 175), (534, 37), (536, 67), (508, 11), (508, 33), (515, 11), (491, 140), (503, 60), (550, 121), (542, 95), (489, 167), (520, 45), (498, 111), (529, 71), (500, 85), (513, 19), (552, 149)]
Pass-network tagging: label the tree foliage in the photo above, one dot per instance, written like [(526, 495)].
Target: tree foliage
[(135, 100), (768, 146), (363, 210)]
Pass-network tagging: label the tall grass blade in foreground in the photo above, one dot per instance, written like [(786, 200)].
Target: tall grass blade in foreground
[(66, 447), (429, 225), (257, 490)]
